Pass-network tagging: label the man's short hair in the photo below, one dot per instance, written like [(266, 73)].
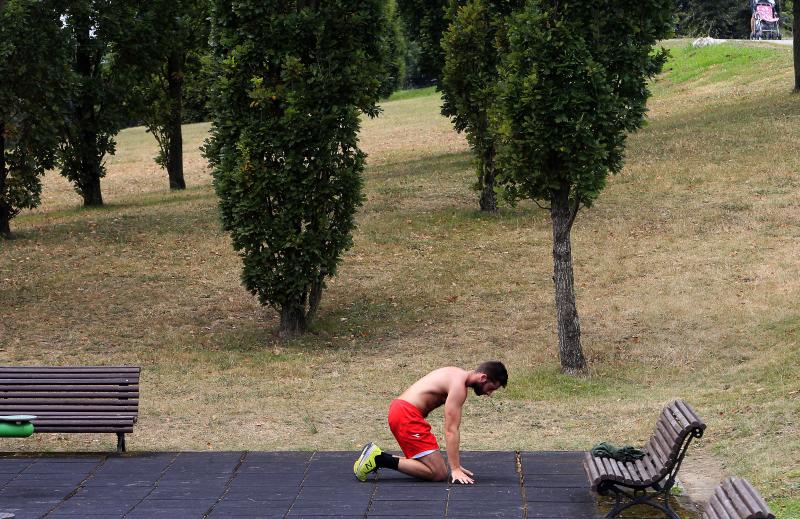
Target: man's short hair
[(494, 370)]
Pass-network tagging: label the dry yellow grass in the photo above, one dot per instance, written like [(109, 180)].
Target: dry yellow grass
[(686, 276)]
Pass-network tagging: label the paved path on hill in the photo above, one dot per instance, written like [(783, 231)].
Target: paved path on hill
[(291, 485)]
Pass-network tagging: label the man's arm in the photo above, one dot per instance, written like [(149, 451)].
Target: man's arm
[(456, 396)]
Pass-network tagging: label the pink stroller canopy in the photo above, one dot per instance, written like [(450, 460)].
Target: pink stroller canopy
[(766, 13)]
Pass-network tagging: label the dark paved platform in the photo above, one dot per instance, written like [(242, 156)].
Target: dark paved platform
[(288, 485)]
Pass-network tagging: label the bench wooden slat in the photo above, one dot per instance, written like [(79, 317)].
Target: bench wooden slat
[(86, 420), (644, 474), (716, 510), (96, 406), (75, 385), (659, 445), (590, 467), (121, 415), (68, 400), (76, 393), (70, 369), (753, 499), (11, 383), (623, 467), (677, 414), (671, 425), (738, 505), (653, 468), (35, 408), (667, 431), (690, 413), (615, 467), (88, 429)]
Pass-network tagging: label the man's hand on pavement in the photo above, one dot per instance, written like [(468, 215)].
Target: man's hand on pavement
[(462, 475)]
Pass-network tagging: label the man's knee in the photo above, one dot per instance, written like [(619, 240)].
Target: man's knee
[(437, 466), (440, 474)]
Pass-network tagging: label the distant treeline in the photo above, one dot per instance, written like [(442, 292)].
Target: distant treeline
[(723, 18)]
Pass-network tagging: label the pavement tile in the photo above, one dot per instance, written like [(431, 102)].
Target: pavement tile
[(389, 508), (555, 495), (78, 506), (556, 480), (418, 493), (270, 484), (562, 511), (128, 493)]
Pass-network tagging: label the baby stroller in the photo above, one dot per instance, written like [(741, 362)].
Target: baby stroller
[(764, 21)]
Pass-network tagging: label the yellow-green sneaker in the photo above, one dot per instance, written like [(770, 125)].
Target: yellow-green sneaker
[(366, 462)]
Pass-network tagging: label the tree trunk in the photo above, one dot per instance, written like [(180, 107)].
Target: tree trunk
[(90, 168), (796, 42), (90, 189), (175, 153), (314, 298), (488, 200), (569, 329), (5, 210), (5, 222), (293, 321)]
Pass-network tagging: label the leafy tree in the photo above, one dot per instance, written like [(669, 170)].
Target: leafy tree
[(574, 83), (107, 45), (291, 80), (473, 45), (396, 51), (35, 77), (180, 40), (425, 23), (715, 18)]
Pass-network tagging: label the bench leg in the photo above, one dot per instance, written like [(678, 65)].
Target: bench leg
[(120, 442), (640, 498)]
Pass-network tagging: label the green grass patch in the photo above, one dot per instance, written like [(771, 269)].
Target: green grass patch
[(786, 508), (551, 384), (412, 93), (715, 63)]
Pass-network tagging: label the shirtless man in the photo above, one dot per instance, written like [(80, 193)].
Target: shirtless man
[(407, 415)]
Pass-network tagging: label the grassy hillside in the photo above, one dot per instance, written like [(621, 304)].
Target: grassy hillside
[(686, 275)]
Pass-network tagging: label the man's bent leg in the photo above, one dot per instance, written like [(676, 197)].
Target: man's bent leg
[(431, 467)]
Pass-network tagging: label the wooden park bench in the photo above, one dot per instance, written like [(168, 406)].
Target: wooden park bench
[(79, 399), (643, 481), (734, 498)]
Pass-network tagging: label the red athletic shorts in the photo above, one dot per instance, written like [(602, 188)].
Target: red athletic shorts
[(412, 431)]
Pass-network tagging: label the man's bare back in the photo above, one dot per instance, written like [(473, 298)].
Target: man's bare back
[(431, 391)]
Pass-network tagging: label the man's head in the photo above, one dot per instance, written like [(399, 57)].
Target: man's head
[(492, 376)]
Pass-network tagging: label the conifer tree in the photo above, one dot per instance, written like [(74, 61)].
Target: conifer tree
[(292, 77), (473, 45)]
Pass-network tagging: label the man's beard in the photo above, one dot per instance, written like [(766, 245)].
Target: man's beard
[(478, 388)]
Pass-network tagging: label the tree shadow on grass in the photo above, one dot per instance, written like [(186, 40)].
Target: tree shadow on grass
[(118, 223), (422, 167), (355, 322)]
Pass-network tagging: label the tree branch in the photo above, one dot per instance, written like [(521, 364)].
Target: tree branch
[(574, 211)]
